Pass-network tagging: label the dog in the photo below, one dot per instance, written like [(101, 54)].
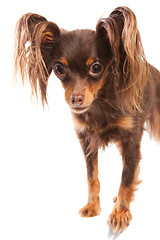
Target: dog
[(110, 87)]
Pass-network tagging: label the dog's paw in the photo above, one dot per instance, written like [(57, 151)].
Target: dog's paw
[(90, 210), (119, 219), (115, 199)]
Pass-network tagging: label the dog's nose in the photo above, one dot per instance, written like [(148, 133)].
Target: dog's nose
[(77, 99)]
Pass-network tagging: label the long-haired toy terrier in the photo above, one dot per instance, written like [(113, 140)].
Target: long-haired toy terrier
[(109, 86)]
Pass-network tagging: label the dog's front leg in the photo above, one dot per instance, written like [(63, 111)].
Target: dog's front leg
[(120, 217), (91, 156)]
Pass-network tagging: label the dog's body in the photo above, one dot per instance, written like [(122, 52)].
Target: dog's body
[(111, 90)]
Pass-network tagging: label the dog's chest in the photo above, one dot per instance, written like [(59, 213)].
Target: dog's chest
[(104, 131)]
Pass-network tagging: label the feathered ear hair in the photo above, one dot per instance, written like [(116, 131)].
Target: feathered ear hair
[(34, 40), (130, 65)]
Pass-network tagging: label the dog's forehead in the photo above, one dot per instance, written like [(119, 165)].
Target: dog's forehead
[(79, 44)]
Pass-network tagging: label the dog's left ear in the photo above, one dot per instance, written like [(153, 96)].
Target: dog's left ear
[(120, 29), (111, 29)]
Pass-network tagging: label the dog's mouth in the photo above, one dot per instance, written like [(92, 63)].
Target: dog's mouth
[(79, 110)]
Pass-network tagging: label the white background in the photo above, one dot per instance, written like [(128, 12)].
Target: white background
[(42, 170)]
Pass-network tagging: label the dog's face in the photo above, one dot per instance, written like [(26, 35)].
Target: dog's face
[(79, 60)]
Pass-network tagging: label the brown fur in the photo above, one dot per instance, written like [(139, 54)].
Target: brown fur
[(93, 206), (64, 61), (110, 87), (90, 61)]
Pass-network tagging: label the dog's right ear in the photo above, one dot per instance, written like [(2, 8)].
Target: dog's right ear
[(35, 38)]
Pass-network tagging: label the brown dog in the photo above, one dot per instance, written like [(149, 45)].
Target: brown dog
[(109, 86)]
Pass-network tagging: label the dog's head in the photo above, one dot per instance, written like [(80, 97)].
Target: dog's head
[(81, 59)]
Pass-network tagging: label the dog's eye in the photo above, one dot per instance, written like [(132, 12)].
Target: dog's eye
[(96, 69), (59, 70)]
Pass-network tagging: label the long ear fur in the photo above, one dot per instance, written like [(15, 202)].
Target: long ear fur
[(34, 40), (130, 66)]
